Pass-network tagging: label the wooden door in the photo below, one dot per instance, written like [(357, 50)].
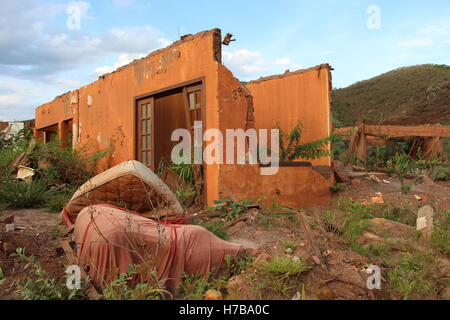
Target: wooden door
[(145, 132)]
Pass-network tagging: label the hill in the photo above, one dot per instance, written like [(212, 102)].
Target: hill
[(407, 96)]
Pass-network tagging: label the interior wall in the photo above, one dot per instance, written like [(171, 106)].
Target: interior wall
[(169, 116), (292, 97)]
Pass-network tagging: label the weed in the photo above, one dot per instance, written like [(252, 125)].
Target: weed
[(411, 275), (400, 166), (294, 150), (237, 265), (399, 214), (440, 173), (232, 209), (338, 187), (283, 267), (41, 286), (440, 237), (24, 195), (289, 245), (121, 288), (195, 286), (185, 194), (217, 228)]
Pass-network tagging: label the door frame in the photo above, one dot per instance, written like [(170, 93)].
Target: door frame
[(200, 81)]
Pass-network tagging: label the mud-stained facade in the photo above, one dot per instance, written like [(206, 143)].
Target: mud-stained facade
[(132, 112)]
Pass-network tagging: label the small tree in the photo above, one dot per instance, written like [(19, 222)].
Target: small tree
[(400, 166)]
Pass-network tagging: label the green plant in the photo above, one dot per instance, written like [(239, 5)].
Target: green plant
[(400, 166), (440, 237), (232, 209), (40, 286), (411, 275), (217, 228), (58, 201), (399, 214), (291, 149), (194, 286), (63, 166), (237, 265), (122, 288), (185, 194), (283, 267), (440, 173), (185, 171), (339, 187), (24, 195), (289, 244)]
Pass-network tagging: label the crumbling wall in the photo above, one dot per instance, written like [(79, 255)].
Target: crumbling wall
[(291, 186), (104, 114), (302, 95)]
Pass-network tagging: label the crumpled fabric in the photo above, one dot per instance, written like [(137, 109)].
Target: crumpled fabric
[(109, 239)]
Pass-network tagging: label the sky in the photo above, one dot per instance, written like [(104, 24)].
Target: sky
[(49, 47)]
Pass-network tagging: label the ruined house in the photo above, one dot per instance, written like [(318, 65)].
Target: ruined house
[(133, 111)]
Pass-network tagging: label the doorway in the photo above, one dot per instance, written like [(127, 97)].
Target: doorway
[(159, 114)]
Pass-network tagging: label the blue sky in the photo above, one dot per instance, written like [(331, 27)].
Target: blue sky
[(40, 57)]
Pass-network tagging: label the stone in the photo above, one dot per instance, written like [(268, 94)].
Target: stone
[(384, 227), (377, 200), (10, 227), (368, 237), (213, 295), (425, 221)]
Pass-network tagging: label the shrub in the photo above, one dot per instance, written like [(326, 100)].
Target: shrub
[(411, 275), (217, 228), (400, 166), (20, 195), (283, 267), (62, 165), (440, 173), (40, 286), (121, 288)]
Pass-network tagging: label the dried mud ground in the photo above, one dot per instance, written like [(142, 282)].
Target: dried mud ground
[(342, 275)]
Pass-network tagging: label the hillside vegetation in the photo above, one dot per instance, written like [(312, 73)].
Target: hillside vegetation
[(407, 96)]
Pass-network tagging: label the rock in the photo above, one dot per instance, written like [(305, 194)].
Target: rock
[(377, 200), (213, 295), (425, 221), (368, 237), (384, 227), (10, 227), (356, 181)]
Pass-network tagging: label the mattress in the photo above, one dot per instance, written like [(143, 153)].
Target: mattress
[(130, 186)]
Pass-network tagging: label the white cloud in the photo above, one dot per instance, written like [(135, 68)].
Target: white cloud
[(423, 42), (244, 63), (283, 61), (38, 59), (435, 31), (122, 60)]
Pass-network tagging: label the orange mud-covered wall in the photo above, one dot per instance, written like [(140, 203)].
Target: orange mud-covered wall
[(297, 186), (103, 112), (296, 96)]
